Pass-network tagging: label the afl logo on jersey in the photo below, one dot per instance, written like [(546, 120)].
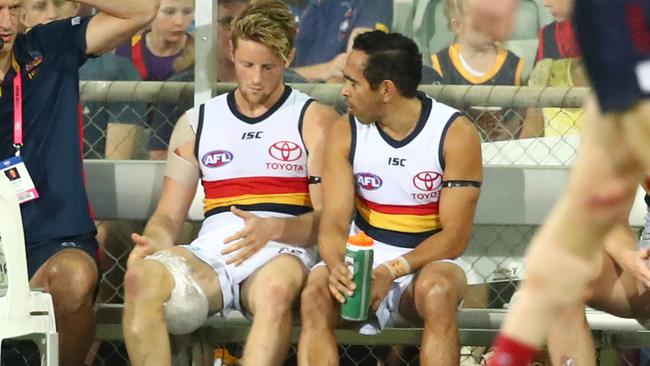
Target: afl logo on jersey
[(217, 158), (368, 181), (285, 151), (427, 181)]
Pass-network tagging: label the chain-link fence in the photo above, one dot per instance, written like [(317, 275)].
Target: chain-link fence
[(501, 115), (138, 117), (133, 120)]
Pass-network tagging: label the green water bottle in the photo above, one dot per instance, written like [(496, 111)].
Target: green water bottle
[(358, 259)]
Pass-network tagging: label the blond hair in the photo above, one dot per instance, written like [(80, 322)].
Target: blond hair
[(268, 22), (453, 9)]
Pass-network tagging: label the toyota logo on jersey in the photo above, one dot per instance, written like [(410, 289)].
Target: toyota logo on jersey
[(427, 181), (285, 151), (217, 158), (368, 181)]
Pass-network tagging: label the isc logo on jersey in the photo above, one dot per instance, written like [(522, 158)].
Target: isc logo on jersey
[(285, 153), (217, 158), (429, 183), (368, 181)]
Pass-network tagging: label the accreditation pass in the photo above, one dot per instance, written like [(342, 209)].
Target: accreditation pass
[(15, 171)]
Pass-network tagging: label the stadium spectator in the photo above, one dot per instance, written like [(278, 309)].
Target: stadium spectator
[(476, 59), (167, 48), (327, 29), (44, 11), (258, 151), (393, 145), (557, 64), (59, 231), (557, 40)]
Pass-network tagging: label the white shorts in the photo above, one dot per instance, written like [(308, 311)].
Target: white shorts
[(209, 244), (389, 308)]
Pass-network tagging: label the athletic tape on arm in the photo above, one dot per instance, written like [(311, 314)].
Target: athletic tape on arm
[(178, 168)]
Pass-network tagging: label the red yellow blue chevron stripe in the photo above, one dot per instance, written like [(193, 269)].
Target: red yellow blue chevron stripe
[(256, 191), (405, 219)]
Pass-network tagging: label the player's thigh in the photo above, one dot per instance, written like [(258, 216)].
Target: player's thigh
[(286, 273)]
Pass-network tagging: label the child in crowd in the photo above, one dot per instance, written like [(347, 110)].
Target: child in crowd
[(167, 48), (557, 64), (476, 59), (164, 51)]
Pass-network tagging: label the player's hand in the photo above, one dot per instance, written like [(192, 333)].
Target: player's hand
[(256, 233), (340, 281), (636, 262), (382, 281), (143, 246)]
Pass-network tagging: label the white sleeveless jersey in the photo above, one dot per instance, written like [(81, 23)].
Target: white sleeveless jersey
[(399, 182), (257, 164)]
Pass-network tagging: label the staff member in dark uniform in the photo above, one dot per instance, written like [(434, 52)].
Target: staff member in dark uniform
[(38, 120)]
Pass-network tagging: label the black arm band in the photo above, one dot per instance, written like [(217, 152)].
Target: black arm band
[(312, 179), (461, 183)]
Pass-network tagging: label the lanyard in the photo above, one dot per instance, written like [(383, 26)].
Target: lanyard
[(18, 106), (18, 112)]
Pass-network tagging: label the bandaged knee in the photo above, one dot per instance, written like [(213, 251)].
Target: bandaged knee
[(187, 307)]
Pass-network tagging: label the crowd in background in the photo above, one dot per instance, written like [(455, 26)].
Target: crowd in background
[(165, 52)]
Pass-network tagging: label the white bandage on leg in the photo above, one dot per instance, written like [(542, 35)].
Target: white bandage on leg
[(187, 307)]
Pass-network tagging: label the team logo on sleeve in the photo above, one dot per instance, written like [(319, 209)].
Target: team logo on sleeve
[(368, 181), (32, 67), (285, 151), (217, 158), (427, 181)]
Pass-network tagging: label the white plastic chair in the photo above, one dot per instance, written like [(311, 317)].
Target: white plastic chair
[(23, 312)]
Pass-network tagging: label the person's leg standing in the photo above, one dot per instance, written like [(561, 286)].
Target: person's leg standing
[(603, 181)]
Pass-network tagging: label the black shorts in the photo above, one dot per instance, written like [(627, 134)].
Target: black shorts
[(39, 253), (614, 37)]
